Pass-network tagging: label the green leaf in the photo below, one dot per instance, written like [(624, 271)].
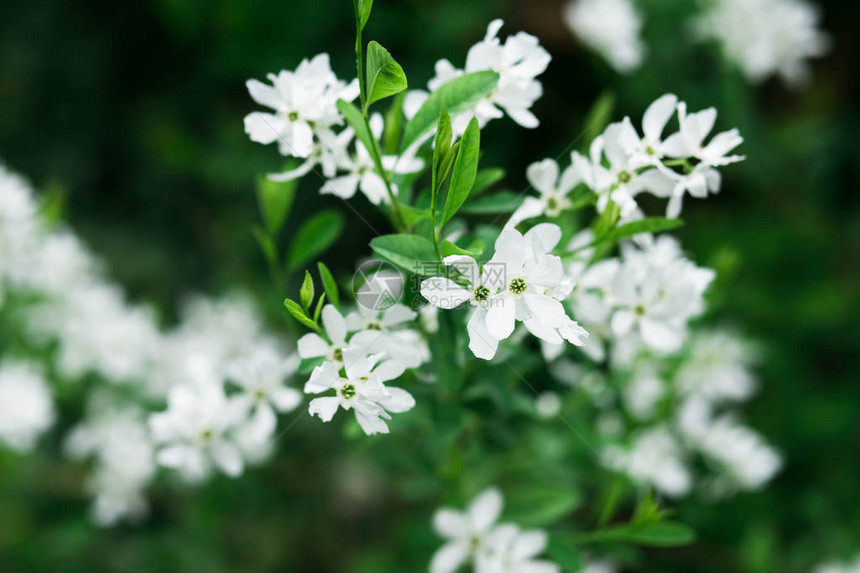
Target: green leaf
[(329, 284), (385, 77), (541, 506), (412, 215), (356, 121), (362, 10), (393, 125), (598, 118), (486, 178), (449, 248), (607, 219), (411, 253), (455, 96), (652, 225), (299, 314), (465, 170), (317, 234), (276, 199), (319, 307), (267, 245), (306, 293), (664, 534), (563, 553), (441, 148), (499, 202)]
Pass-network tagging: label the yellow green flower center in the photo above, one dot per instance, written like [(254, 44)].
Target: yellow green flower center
[(482, 293), (348, 391), (518, 286)]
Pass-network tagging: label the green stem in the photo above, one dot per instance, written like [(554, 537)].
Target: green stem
[(397, 215), (359, 58)]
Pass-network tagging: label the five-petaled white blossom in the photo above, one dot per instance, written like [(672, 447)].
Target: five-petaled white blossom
[(304, 104)]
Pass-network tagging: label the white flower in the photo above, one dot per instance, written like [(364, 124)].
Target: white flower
[(689, 142), (359, 385), (651, 147), (466, 532), (748, 461), (26, 407), (262, 377), (644, 391), (313, 345), (387, 332), (599, 566), (304, 101), (194, 433), (717, 367), (19, 228), (518, 61), (548, 405), (118, 439), (655, 458), (522, 282), (655, 292), (840, 567), (766, 37), (510, 550), (362, 171), (554, 188), (612, 28), (622, 180)]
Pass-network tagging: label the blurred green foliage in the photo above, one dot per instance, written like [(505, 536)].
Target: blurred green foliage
[(135, 110)]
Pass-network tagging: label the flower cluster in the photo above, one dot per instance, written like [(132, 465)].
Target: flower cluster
[(26, 405), (518, 61), (219, 360), (837, 567), (766, 37), (474, 536), (622, 164), (711, 375), (523, 282), (360, 354), (116, 437), (612, 28), (305, 106)]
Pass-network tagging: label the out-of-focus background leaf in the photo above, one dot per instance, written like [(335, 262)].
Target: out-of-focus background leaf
[(134, 109)]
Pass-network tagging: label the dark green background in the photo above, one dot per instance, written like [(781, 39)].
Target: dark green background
[(134, 109)]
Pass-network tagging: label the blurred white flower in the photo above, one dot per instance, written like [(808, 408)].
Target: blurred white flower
[(195, 432), (508, 549), (548, 405), (655, 458), (465, 532), (304, 101), (655, 292), (26, 406), (262, 376), (612, 28), (840, 567), (766, 37), (717, 367), (118, 440)]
